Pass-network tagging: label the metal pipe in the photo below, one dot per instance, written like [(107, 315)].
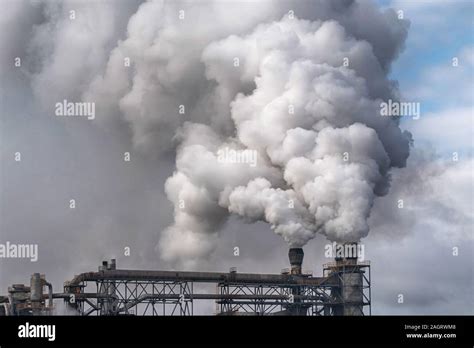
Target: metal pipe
[(36, 288), (50, 294), (36, 293), (203, 277)]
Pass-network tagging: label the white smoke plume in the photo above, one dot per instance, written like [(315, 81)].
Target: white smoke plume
[(324, 152), (297, 83)]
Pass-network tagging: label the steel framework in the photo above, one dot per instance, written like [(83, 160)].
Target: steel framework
[(131, 297), (128, 292), (344, 271)]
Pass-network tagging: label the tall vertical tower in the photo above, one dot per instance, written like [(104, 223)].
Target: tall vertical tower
[(353, 278), (296, 256)]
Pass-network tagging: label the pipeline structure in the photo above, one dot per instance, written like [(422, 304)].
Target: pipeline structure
[(344, 289)]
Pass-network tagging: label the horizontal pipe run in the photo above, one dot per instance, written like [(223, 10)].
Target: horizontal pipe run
[(158, 297), (200, 277)]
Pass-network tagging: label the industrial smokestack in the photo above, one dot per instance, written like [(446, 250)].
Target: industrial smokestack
[(349, 254), (350, 276), (296, 256), (36, 293)]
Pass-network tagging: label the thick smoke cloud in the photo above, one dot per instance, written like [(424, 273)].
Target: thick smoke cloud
[(298, 84), (324, 151), (126, 205)]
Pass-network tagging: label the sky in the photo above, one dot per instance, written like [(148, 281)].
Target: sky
[(128, 204), (439, 32)]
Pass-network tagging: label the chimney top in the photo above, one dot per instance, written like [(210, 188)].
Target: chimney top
[(296, 256)]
